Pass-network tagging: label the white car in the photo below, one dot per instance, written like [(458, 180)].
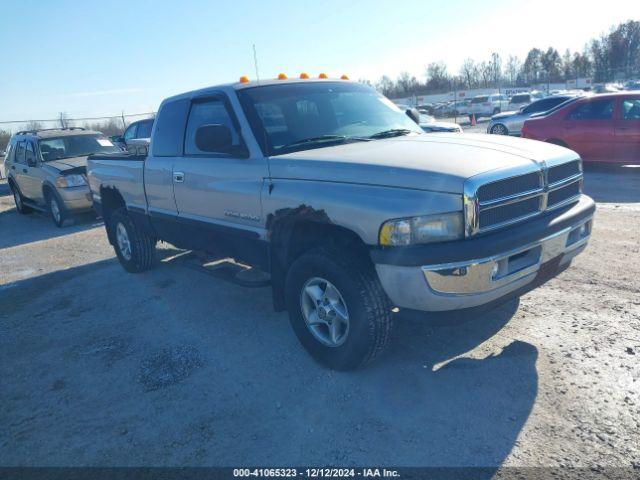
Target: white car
[(488, 105), (520, 100)]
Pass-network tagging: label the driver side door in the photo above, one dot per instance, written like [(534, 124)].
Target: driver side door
[(217, 193)]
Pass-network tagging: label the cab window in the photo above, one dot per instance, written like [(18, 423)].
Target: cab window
[(209, 112), (130, 133), (144, 129), (593, 110), (631, 109)]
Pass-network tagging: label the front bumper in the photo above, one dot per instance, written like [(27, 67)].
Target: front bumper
[(477, 281), (76, 199)]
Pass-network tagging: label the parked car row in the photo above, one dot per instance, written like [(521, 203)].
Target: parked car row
[(510, 123), (601, 128)]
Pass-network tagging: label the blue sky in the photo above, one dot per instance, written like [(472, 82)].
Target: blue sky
[(98, 58)]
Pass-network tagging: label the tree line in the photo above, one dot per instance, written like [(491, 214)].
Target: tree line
[(612, 56)]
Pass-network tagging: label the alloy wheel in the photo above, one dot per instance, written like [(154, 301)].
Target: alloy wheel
[(325, 312), (124, 244)]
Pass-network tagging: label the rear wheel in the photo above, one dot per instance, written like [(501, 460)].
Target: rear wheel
[(337, 309), (499, 129), (17, 198), (134, 247)]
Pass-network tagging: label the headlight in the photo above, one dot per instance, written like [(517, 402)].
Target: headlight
[(424, 229), (66, 181)]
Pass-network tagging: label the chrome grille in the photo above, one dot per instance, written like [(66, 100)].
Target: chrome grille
[(564, 171), (519, 194), (509, 186), (505, 213)]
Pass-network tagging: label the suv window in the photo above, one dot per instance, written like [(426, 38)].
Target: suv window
[(543, 105), (9, 154), (20, 149), (520, 99), (593, 110), (30, 154), (144, 129), (130, 132), (631, 109), (479, 99), (207, 113)]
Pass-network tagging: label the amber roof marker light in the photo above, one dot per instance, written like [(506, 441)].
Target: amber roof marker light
[(244, 79), (344, 77), (282, 76), (323, 75), (304, 76)]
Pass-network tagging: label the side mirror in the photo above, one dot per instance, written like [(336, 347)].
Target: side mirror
[(213, 138), (413, 114)]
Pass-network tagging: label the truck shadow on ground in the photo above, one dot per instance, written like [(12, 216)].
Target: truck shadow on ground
[(254, 396), (612, 183)]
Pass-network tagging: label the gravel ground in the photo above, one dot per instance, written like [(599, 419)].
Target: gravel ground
[(181, 367)]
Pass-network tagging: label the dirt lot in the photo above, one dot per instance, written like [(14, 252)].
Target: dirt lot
[(180, 367)]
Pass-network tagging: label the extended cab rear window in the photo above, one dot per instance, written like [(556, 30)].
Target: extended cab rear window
[(520, 98), (168, 136), (480, 100)]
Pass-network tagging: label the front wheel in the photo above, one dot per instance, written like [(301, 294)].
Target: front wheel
[(57, 211), (134, 247), (337, 309), (499, 129)]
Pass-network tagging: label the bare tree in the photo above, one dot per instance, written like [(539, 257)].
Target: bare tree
[(513, 68), (469, 73), (33, 125), (64, 120)]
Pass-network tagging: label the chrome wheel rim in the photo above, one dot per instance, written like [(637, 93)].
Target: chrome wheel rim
[(498, 130), (55, 210), (124, 245), (325, 312)]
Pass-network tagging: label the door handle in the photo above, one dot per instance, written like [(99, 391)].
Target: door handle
[(24, 170), (178, 177), (13, 167)]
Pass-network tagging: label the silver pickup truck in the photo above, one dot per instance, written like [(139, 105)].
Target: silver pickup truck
[(349, 207)]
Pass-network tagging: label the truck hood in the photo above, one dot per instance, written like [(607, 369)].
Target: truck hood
[(65, 164), (435, 161)]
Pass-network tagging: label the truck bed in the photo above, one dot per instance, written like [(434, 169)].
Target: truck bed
[(121, 171)]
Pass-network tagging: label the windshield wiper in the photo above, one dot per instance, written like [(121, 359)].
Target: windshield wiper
[(323, 138), (393, 132)]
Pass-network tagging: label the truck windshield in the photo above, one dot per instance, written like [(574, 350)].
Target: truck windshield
[(70, 146), (300, 116)]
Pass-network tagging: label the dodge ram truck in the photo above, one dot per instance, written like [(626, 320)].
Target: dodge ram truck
[(350, 208)]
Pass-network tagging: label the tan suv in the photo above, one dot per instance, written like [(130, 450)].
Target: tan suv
[(46, 170)]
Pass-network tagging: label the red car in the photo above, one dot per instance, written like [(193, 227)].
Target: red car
[(601, 128)]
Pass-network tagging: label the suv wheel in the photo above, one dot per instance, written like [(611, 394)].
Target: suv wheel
[(57, 211), (134, 247), (17, 198), (337, 309)]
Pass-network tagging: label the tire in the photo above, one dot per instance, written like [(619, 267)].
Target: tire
[(367, 329), (135, 248), (499, 129), (56, 209), (19, 200)]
